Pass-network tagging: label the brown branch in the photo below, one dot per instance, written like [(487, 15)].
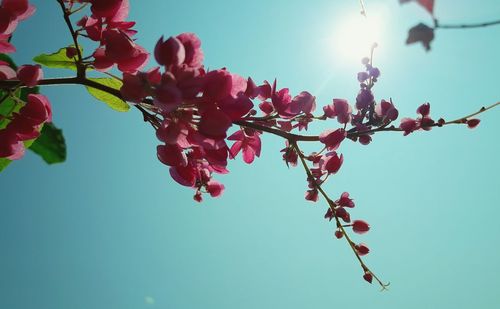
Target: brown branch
[(74, 35), (437, 25), (332, 206)]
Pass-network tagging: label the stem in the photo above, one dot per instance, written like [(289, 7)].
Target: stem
[(463, 119), (82, 80), (332, 205), (466, 26), (74, 35)]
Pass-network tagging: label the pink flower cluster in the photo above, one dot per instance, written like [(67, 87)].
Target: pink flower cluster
[(11, 13), (108, 26), (198, 108), (25, 125)]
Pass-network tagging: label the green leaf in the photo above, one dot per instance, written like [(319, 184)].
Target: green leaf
[(114, 102), (57, 60), (50, 145)]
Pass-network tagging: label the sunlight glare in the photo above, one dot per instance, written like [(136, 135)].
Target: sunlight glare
[(354, 35)]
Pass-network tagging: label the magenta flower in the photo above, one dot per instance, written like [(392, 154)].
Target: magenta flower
[(192, 48), (312, 195), (472, 123), (29, 75), (364, 99), (170, 52), (250, 145), (331, 162), (408, 125), (360, 226), (214, 123), (362, 249), (6, 72), (215, 188), (368, 277), (332, 138), (303, 102), (218, 85), (386, 111), (171, 155), (424, 109), (345, 201)]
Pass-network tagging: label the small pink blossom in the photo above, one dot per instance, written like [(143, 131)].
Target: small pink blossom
[(368, 277), (472, 123), (214, 123), (192, 47), (29, 75), (360, 226), (362, 249), (215, 188), (408, 125), (250, 145), (331, 162), (332, 138), (345, 200), (170, 52)]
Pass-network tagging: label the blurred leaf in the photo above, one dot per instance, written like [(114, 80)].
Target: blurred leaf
[(428, 5), (421, 33), (114, 102), (50, 145), (57, 60)]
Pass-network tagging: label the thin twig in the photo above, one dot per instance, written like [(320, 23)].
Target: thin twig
[(466, 26)]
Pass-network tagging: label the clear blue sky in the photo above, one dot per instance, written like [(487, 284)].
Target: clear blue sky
[(110, 229)]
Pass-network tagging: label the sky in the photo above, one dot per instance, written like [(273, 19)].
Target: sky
[(109, 228)]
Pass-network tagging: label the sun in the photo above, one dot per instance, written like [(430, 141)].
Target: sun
[(354, 36)]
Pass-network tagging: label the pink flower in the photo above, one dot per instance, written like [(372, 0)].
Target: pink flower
[(341, 109), (184, 175), (386, 111), (236, 107), (218, 85), (250, 145), (312, 195), (331, 162), (332, 138), (29, 75), (364, 99), (304, 102), (368, 277), (343, 214), (408, 125), (345, 201), (6, 72), (106, 8), (472, 123), (214, 123), (362, 249), (215, 188), (167, 97), (290, 156), (192, 47), (424, 109), (19, 9), (360, 226), (10, 146), (170, 52), (171, 155), (135, 87), (37, 110)]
